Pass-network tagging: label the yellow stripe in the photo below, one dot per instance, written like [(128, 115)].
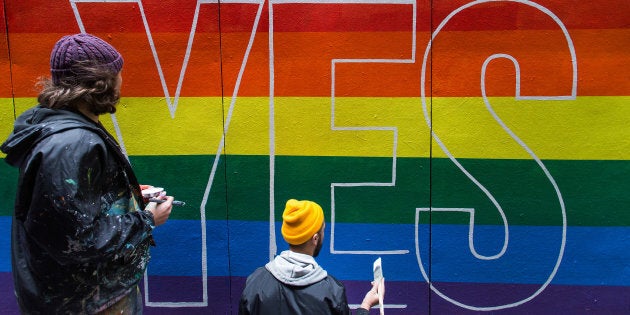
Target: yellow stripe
[(6, 119), (583, 129)]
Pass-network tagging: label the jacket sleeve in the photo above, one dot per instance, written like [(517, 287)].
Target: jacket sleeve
[(243, 306), (78, 212)]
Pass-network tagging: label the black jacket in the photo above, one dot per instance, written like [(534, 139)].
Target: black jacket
[(79, 238), (264, 294), (293, 283)]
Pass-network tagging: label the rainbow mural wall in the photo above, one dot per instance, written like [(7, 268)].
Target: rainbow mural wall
[(480, 148)]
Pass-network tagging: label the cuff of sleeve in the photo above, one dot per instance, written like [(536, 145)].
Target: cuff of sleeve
[(148, 218)]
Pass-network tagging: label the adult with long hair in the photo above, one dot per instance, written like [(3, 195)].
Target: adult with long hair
[(81, 231)]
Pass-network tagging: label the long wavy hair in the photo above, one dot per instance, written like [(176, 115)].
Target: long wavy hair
[(87, 83)]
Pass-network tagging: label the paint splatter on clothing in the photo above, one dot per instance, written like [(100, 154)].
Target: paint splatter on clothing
[(79, 237)]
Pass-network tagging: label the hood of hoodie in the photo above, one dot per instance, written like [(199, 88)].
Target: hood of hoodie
[(296, 269), (36, 124)]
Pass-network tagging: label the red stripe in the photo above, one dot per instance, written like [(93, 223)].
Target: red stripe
[(5, 69), (176, 16)]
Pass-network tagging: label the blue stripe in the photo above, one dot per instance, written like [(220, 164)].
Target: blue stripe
[(593, 255), (5, 244)]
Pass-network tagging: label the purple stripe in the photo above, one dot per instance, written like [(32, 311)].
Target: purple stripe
[(555, 299), (8, 304)]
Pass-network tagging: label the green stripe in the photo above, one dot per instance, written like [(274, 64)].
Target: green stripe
[(8, 183), (594, 192)]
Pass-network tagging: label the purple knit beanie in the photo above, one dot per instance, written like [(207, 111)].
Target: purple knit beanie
[(71, 49)]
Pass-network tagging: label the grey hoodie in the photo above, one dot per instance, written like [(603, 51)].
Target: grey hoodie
[(296, 269)]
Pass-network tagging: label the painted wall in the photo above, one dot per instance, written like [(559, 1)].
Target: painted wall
[(482, 148)]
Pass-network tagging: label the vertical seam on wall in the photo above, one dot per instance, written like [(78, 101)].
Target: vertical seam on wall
[(225, 167), (430, 155), (6, 26)]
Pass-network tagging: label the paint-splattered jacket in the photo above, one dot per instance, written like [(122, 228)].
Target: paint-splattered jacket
[(79, 239)]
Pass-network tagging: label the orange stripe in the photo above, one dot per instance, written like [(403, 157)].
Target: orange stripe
[(303, 63), (457, 60)]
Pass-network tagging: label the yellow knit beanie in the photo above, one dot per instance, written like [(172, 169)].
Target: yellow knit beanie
[(301, 220)]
